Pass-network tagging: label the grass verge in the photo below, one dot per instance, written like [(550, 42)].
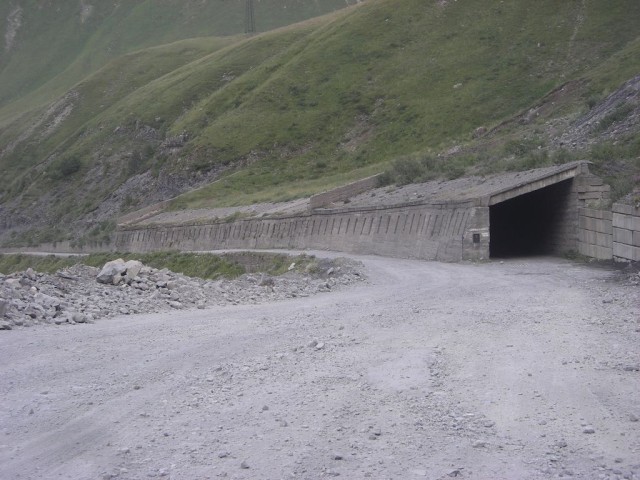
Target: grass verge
[(201, 265)]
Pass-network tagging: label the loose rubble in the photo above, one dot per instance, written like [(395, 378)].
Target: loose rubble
[(83, 294)]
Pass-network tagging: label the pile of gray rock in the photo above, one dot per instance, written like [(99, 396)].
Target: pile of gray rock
[(82, 294)]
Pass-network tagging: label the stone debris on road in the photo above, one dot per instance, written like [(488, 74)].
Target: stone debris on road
[(82, 294)]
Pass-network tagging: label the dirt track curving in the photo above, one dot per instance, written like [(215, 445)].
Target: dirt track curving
[(521, 369)]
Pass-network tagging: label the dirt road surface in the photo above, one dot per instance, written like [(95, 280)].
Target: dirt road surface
[(525, 369)]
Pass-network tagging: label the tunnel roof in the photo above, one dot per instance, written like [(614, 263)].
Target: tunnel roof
[(483, 190)]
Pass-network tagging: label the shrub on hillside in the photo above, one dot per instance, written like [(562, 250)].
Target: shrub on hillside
[(410, 169), (64, 167)]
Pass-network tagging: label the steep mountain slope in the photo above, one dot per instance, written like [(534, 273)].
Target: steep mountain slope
[(295, 110), (50, 45)]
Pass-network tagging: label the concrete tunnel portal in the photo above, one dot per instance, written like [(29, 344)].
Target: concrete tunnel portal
[(539, 222), (512, 214)]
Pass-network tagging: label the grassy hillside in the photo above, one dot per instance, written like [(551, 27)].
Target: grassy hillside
[(293, 111), (49, 46)]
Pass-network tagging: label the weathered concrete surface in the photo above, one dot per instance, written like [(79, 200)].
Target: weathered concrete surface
[(417, 231), (626, 232), (536, 180), (447, 221), (594, 234), (485, 189), (344, 192), (607, 234)]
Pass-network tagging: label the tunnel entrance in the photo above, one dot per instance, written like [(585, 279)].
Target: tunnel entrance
[(535, 223)]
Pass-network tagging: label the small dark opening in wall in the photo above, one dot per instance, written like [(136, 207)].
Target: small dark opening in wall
[(476, 238)]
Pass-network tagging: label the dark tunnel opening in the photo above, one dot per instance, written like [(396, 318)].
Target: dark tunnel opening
[(536, 223)]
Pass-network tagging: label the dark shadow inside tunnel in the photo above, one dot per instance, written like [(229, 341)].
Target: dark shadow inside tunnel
[(535, 223)]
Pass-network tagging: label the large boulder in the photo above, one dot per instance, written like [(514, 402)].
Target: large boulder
[(112, 272), (117, 271), (133, 269)]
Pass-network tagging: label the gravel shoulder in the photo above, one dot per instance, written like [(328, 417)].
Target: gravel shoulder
[(522, 369)]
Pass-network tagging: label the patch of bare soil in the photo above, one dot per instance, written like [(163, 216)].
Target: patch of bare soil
[(517, 369)]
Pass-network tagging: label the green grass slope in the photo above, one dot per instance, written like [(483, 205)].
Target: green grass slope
[(296, 110), (67, 117), (49, 46)]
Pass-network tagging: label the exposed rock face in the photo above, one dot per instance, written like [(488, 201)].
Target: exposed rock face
[(112, 272), (133, 269), (85, 12), (593, 127), (117, 271), (82, 294), (14, 22)]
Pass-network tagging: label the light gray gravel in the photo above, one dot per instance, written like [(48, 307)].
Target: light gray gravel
[(428, 370)]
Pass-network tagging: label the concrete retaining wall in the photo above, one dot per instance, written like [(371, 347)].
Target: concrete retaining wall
[(595, 238), (594, 222), (626, 232), (602, 233), (592, 191), (343, 193), (431, 232), (610, 234)]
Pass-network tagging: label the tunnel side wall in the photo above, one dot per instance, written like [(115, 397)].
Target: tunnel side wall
[(564, 228), (431, 232)]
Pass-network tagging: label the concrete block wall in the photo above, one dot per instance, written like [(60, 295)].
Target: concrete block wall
[(595, 237), (343, 193), (431, 232), (606, 233), (626, 232), (610, 234), (591, 191)]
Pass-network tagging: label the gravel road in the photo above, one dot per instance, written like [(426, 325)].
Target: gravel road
[(521, 369)]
